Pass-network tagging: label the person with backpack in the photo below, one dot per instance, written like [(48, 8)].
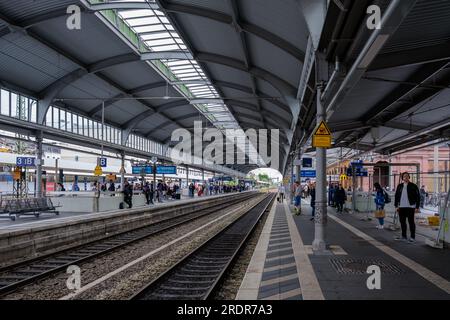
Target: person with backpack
[(380, 201)]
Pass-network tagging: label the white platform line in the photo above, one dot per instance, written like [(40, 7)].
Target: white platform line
[(249, 288), (309, 284), (427, 274)]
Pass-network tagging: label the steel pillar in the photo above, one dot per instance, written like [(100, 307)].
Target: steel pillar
[(319, 244), (39, 153), (122, 173)]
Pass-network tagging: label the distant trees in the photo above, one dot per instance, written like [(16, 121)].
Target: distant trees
[(263, 177)]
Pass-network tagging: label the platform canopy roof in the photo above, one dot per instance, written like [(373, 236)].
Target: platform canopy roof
[(389, 90), (159, 65)]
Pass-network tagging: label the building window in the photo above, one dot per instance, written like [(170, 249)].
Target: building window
[(4, 103), (33, 110), (14, 109)]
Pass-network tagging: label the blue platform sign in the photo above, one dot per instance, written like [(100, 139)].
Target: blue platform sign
[(166, 170), (359, 172), (357, 164), (307, 162), (308, 173), (25, 162), (142, 170), (103, 162)]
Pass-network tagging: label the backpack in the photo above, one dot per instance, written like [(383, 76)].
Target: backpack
[(387, 198)]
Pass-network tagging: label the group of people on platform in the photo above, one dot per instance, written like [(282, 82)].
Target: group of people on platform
[(408, 201), (164, 191)]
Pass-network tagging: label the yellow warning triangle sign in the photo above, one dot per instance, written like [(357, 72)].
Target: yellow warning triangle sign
[(98, 171), (323, 130)]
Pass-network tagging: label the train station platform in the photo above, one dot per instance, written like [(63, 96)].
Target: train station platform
[(284, 266), (49, 219), (24, 239)]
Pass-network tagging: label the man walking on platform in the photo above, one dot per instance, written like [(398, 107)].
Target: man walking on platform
[(407, 203), (281, 192), (297, 198)]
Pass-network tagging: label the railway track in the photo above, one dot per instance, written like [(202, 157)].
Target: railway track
[(198, 274), (23, 273)]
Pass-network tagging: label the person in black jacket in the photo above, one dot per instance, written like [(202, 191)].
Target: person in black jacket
[(128, 194), (313, 200), (340, 196), (407, 203)]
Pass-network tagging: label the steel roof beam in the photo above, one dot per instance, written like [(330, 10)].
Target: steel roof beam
[(284, 123), (246, 27), (314, 13), (429, 129), (245, 49), (260, 94), (121, 5), (281, 85), (177, 8), (392, 19), (404, 91), (131, 124), (410, 57)]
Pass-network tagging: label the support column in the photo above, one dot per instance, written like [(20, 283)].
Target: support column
[(292, 180), (122, 169), (391, 175), (203, 176), (436, 169), (354, 187), (298, 168), (319, 244), (154, 183), (187, 177), (39, 139)]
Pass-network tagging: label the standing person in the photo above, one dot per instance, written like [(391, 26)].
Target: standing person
[(112, 186), (331, 192), (148, 193), (407, 203), (297, 198), (281, 192), (159, 191), (380, 201), (340, 196), (75, 187), (423, 196), (312, 192), (128, 194)]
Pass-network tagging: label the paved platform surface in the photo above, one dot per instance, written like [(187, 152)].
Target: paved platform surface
[(291, 269), (48, 219)]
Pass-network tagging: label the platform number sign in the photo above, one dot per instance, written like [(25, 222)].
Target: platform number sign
[(103, 162), (25, 162)]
